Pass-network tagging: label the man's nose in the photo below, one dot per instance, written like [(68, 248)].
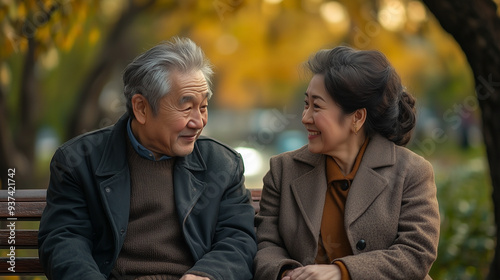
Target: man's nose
[(197, 120)]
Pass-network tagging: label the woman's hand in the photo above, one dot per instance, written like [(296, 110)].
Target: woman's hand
[(314, 272)]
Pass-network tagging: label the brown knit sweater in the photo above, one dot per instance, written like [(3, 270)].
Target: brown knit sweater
[(154, 247)]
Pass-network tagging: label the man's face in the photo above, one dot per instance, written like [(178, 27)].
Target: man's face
[(182, 115)]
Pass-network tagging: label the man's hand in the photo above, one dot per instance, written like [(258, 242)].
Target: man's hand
[(314, 272), (194, 277)]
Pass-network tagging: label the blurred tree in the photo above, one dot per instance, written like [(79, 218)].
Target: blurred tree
[(29, 28), (475, 25)]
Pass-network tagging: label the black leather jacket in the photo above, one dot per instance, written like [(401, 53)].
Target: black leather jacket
[(85, 222)]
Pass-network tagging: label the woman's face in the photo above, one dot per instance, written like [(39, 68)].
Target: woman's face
[(329, 129)]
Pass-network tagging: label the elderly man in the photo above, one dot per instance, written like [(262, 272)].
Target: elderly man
[(149, 198)]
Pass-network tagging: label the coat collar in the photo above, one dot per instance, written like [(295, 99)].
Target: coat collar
[(309, 191), (379, 153), (369, 183), (305, 156), (310, 188), (194, 161), (114, 156)]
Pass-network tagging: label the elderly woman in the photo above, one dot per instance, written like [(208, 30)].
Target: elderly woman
[(354, 203)]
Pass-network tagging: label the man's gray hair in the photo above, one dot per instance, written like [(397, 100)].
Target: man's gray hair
[(149, 73)]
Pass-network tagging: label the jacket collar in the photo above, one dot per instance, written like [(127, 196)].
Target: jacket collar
[(369, 183), (309, 191), (379, 153), (305, 156), (114, 157), (194, 161), (310, 188)]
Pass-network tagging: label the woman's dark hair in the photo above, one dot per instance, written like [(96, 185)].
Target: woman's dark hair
[(358, 79)]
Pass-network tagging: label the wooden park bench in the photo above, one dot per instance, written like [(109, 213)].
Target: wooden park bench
[(24, 212)]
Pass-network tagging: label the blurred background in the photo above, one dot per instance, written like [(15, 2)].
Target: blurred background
[(60, 75)]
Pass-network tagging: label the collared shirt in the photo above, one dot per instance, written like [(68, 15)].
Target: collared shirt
[(333, 242), (138, 147)]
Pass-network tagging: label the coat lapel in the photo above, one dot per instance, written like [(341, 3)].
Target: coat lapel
[(187, 187), (113, 178), (309, 190), (115, 194), (368, 183)]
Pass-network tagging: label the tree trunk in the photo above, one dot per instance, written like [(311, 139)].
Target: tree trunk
[(86, 114), (17, 145), (8, 153), (17, 149), (28, 102), (475, 26)]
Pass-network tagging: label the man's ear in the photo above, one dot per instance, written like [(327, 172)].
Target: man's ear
[(140, 107)]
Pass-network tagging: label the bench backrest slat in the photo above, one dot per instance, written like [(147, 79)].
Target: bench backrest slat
[(23, 210), (24, 195), (23, 238), (25, 205), (24, 266), (28, 206)]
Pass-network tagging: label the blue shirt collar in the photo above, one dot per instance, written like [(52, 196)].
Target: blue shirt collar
[(138, 147)]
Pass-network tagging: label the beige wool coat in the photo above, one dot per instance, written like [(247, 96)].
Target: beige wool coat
[(391, 214)]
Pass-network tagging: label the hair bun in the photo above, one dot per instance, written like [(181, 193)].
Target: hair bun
[(406, 118)]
